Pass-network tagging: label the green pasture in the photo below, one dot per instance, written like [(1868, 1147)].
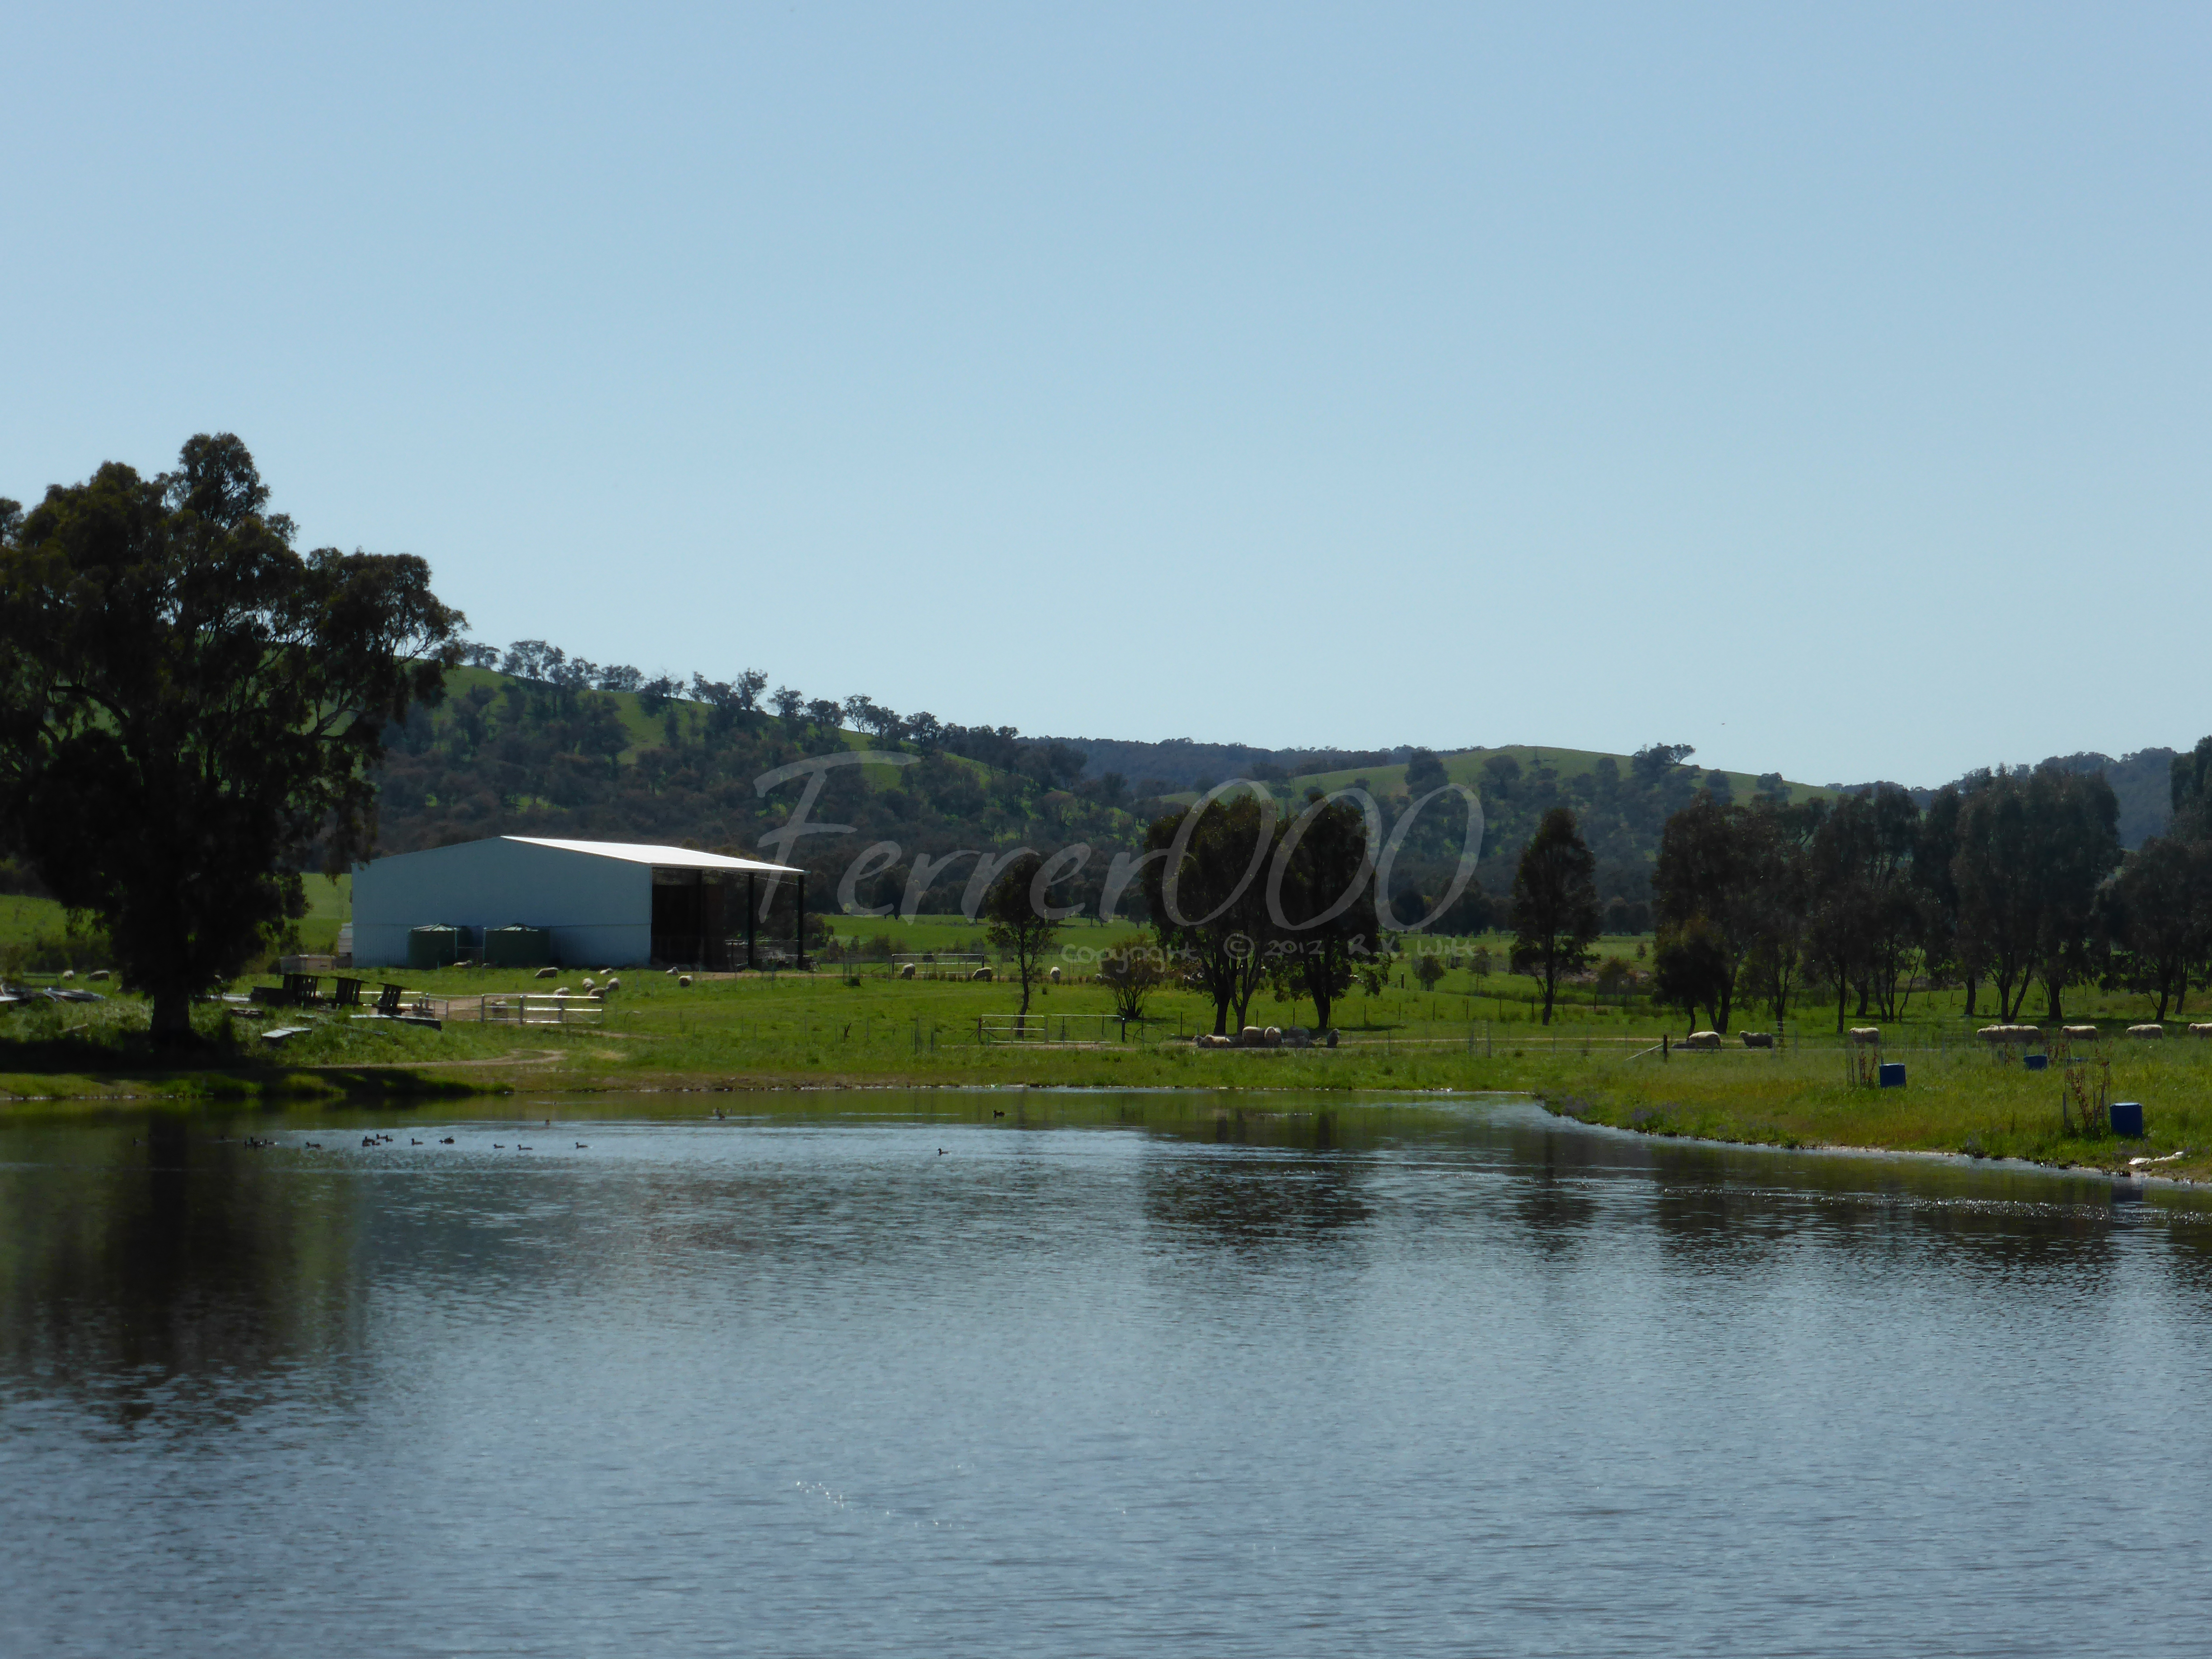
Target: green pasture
[(26, 923), (731, 1033), (22, 919)]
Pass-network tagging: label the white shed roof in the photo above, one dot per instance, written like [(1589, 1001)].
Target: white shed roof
[(668, 858)]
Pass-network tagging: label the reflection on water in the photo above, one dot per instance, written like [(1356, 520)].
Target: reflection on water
[(1105, 1375)]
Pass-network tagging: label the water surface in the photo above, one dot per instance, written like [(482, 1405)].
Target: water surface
[(1108, 1375)]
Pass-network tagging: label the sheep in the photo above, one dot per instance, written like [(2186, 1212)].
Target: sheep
[(683, 981), (2146, 1031), (1054, 976), (907, 971), (1701, 1040), (1866, 1034), (1759, 1039), (2078, 1033), (980, 973), (548, 973)]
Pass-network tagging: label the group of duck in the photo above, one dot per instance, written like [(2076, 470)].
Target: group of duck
[(371, 1142)]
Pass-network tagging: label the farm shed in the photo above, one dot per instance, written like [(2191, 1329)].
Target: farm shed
[(600, 903)]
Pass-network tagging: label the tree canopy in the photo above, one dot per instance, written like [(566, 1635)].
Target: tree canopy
[(1555, 913), (1018, 919), (189, 708), (1207, 896)]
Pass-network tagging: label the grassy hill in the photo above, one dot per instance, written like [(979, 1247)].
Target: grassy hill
[(504, 755)]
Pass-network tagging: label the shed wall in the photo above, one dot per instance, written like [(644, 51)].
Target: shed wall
[(598, 910)]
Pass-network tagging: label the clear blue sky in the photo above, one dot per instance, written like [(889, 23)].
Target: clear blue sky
[(1823, 386)]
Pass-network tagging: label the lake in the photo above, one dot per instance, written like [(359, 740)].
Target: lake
[(1108, 1375)]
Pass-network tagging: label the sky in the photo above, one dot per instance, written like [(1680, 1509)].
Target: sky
[(1826, 387)]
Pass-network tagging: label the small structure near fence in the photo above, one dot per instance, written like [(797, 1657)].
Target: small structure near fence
[(1057, 1028), (937, 964), (554, 1010)]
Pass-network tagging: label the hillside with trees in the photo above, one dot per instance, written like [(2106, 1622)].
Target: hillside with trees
[(531, 741)]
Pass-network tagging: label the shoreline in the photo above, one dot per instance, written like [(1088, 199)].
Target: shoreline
[(1834, 1149), (394, 1084)]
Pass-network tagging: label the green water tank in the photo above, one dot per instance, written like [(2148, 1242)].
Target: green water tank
[(435, 947), (518, 947)]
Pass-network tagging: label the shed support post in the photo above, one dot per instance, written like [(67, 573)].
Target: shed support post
[(752, 916), (799, 923)]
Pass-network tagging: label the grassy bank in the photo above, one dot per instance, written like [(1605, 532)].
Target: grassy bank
[(823, 1030)]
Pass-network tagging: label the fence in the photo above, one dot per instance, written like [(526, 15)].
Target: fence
[(1090, 1029), (523, 1009), (932, 964)]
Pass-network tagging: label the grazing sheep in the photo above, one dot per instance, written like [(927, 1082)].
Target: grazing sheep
[(1759, 1039), (613, 985), (1249, 1038), (2078, 1033), (683, 979), (2200, 1030), (547, 973), (1272, 1036), (907, 972), (2146, 1031), (1700, 1040), (980, 973), (1865, 1033), (1054, 976)]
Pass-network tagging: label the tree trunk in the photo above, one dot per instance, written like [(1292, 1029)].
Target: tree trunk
[(1551, 978), (172, 1016), (1973, 984)]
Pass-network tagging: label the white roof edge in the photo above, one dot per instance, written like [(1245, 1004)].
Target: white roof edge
[(674, 858)]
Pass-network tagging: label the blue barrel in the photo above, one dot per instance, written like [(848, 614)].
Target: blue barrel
[(1893, 1074), (2036, 1062), (2127, 1119)]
